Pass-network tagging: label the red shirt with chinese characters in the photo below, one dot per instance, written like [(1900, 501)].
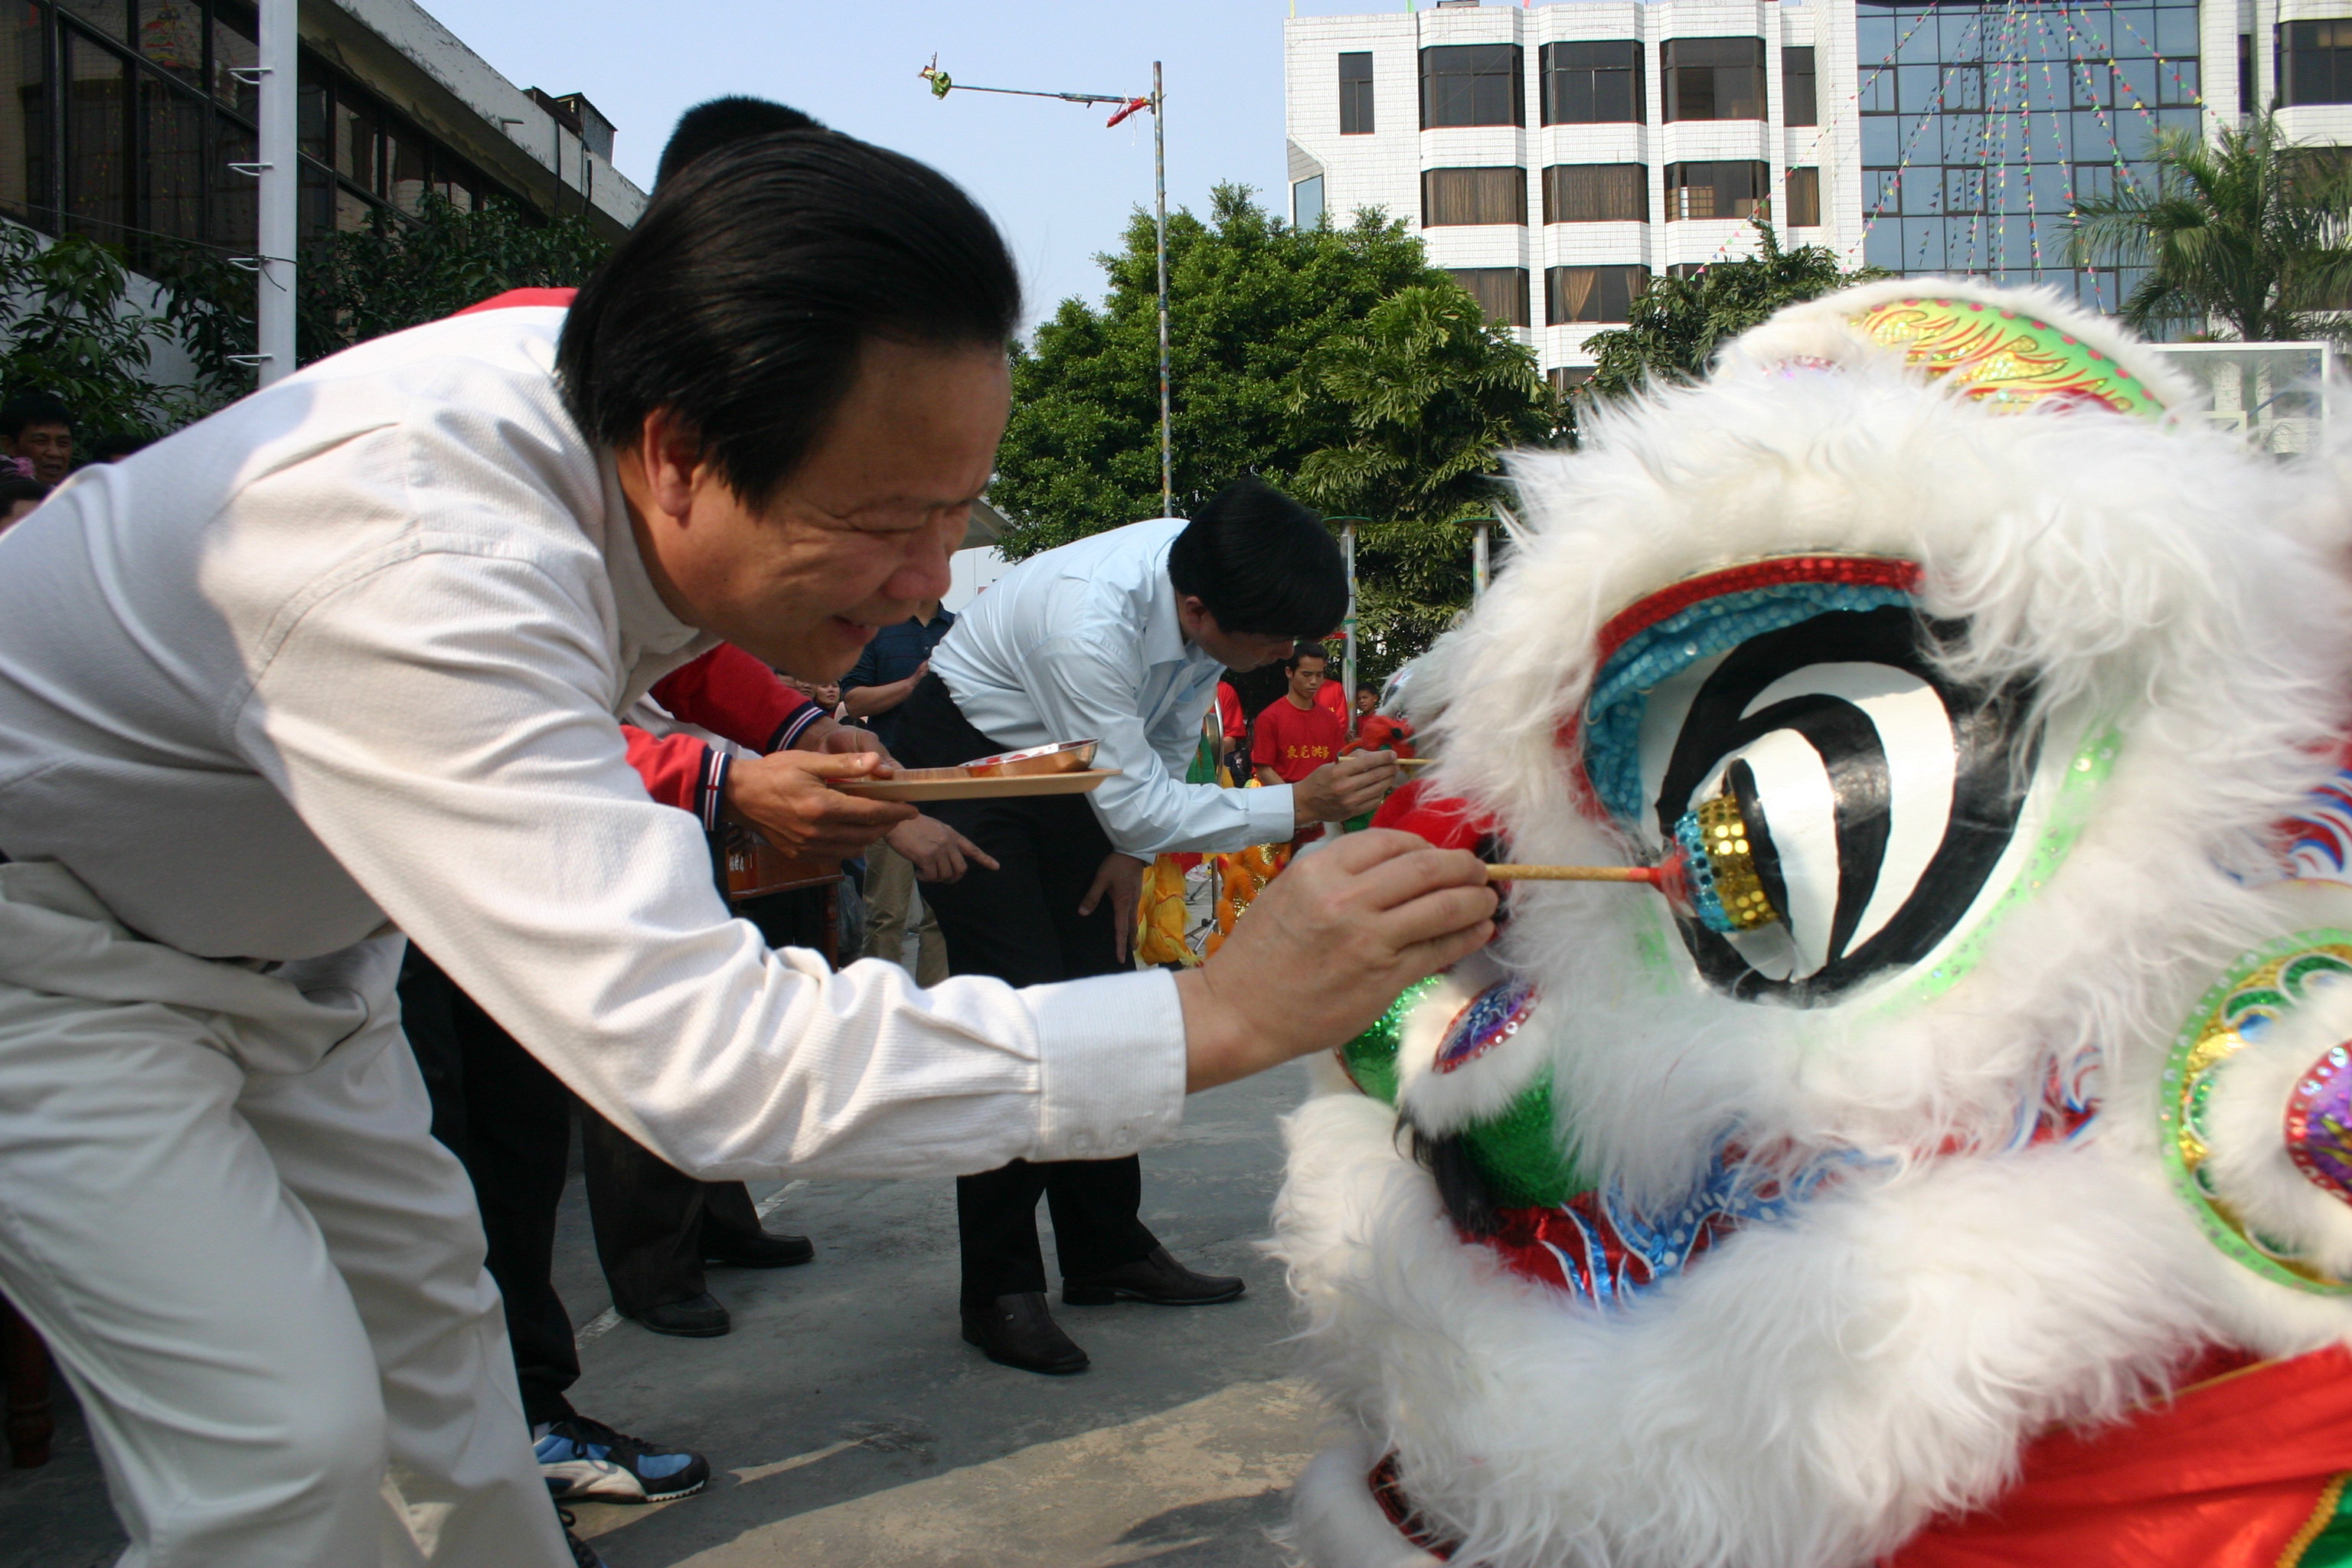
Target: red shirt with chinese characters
[(1294, 742)]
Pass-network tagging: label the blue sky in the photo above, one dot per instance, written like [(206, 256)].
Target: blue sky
[(1059, 183)]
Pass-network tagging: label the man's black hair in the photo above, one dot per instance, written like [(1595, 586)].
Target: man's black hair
[(121, 444), (1262, 564), (741, 298), (13, 490), (1305, 647), (721, 123), (33, 408)]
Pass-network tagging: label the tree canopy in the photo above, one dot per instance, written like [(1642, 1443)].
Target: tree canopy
[(1332, 362), (1675, 328), (2250, 231)]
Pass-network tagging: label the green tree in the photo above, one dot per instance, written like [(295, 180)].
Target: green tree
[(1430, 394), (68, 326), (1250, 296), (1675, 328), (2250, 231)]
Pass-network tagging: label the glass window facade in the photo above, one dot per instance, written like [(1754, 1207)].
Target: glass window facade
[(1356, 93), (124, 119), (1983, 124), (1733, 188), (1804, 209), (2315, 62), (1801, 103), (1307, 201), (1471, 84), (1593, 83), (1578, 294), (1487, 196), (1713, 78), (1596, 193), (1501, 292)]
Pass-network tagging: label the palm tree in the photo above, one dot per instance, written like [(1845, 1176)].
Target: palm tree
[(2249, 232)]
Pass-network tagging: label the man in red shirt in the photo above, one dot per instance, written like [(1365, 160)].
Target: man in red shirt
[(1296, 734)]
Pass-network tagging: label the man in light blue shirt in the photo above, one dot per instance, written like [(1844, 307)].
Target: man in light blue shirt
[(1119, 638)]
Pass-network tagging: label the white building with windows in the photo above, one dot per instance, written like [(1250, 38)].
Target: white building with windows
[(1555, 157)]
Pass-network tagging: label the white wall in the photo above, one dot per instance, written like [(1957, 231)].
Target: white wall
[(969, 572)]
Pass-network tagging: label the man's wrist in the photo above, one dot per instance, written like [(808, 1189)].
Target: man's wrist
[(1217, 1041)]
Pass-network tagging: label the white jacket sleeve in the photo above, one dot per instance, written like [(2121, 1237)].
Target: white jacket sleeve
[(1083, 690), (444, 725)]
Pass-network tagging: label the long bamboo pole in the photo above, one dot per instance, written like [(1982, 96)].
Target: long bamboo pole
[(1518, 873)]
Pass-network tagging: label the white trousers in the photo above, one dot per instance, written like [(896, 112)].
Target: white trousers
[(220, 1203)]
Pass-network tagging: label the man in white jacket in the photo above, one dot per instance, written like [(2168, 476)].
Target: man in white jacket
[(343, 662)]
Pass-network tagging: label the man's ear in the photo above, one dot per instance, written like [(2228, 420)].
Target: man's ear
[(669, 452)]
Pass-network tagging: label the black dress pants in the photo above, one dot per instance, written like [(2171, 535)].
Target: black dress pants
[(652, 1220), (1021, 924), (509, 1121)]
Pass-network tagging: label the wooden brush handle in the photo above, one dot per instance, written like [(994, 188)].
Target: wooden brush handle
[(1571, 874)]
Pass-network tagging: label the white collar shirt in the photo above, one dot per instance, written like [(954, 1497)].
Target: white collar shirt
[(1083, 643), (353, 650)]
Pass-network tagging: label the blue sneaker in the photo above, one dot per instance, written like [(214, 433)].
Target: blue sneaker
[(581, 1458)]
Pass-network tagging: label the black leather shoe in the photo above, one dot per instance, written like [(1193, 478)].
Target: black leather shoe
[(697, 1318), (582, 1554), (1157, 1279), (765, 1250), (1017, 1331)]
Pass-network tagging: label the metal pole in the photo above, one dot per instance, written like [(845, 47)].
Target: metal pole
[(1160, 176), (280, 183), (1479, 529)]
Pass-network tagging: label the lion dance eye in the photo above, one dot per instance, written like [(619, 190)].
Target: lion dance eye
[(1843, 801)]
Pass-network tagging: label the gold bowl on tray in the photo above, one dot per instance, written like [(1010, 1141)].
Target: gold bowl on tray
[(1061, 757)]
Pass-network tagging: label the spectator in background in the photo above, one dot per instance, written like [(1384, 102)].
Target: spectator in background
[(1332, 698), (113, 448), (1235, 724), (18, 497), (1298, 732), (1367, 702), (883, 678), (38, 431)]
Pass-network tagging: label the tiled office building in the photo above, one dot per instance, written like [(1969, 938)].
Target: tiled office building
[(1557, 157), (124, 119)]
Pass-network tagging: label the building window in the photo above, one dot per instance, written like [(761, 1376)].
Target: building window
[(1501, 292), (1737, 188), (1356, 94), (2315, 62), (1798, 104), (1307, 203), (1592, 293), (1471, 84), (1592, 84), (1596, 193), (1456, 196), (1804, 198), (1714, 78), (1567, 378), (2246, 73)]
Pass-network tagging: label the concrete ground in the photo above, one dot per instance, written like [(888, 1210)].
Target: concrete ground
[(848, 1425)]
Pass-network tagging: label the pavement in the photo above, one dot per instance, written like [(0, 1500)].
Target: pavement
[(849, 1425)]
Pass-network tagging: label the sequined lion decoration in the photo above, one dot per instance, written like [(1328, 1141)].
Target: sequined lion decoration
[(1978, 1190)]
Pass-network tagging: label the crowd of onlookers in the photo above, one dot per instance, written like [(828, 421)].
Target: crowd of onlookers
[(38, 450)]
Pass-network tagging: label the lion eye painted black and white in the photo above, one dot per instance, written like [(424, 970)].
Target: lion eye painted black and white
[(1879, 794)]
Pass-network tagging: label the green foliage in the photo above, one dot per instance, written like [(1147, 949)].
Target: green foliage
[(1334, 363), (1249, 297), (1429, 394), (2250, 230), (1674, 329), (359, 284), (67, 326)]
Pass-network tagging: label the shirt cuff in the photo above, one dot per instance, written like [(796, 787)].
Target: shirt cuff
[(1273, 813), (1110, 1064), (711, 795)]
